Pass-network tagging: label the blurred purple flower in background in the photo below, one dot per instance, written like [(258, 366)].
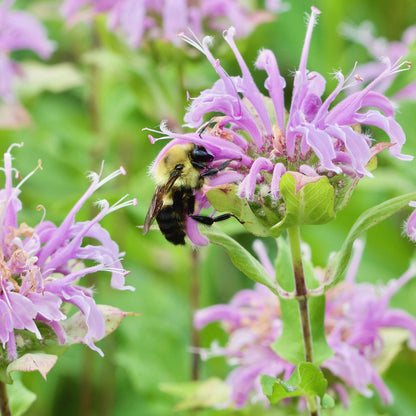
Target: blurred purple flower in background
[(316, 138), (164, 19), (411, 223), (355, 316), (40, 265), (379, 47), (18, 30)]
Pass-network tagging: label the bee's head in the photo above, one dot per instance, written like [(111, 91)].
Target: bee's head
[(183, 161)]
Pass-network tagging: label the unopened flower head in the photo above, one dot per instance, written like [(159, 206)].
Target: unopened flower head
[(164, 19), (41, 264), (356, 315), (315, 138), (18, 30)]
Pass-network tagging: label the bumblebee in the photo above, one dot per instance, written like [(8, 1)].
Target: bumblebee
[(180, 173)]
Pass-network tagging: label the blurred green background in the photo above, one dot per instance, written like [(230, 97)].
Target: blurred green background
[(95, 110)]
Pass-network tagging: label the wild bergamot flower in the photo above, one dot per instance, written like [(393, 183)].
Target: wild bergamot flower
[(40, 265), (355, 316), (315, 138)]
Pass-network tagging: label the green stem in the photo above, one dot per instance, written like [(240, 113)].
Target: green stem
[(4, 400), (301, 290), (301, 295), (194, 294)]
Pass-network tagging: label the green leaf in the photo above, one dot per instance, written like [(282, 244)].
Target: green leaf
[(256, 220), (309, 201), (290, 344), (20, 398), (198, 394), (306, 381), (327, 402), (241, 258), (338, 263), (344, 187)]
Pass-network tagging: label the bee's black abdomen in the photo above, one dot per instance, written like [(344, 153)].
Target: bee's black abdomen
[(172, 224)]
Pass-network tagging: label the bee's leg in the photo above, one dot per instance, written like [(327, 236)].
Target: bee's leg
[(191, 205), (214, 171), (203, 219)]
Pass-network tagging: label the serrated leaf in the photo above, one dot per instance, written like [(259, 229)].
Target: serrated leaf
[(306, 381), (20, 398), (241, 258), (309, 201), (290, 344), (33, 362), (338, 263), (198, 394)]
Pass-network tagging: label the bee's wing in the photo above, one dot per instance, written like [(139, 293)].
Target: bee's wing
[(155, 207), (157, 202)]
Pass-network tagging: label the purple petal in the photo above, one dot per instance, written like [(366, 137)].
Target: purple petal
[(6, 326), (411, 225), (94, 319), (249, 90), (406, 93), (214, 313), (278, 171), (23, 313), (193, 233), (20, 30), (390, 126), (274, 83), (48, 305), (247, 187)]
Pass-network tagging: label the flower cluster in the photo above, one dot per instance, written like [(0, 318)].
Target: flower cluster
[(18, 30), (380, 47), (315, 139), (355, 316), (40, 265), (164, 19)]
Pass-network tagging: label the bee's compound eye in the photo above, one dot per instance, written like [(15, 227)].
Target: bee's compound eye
[(179, 167)]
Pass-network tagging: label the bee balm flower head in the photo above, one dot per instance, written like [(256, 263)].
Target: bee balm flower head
[(356, 315), (314, 140), (41, 264)]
